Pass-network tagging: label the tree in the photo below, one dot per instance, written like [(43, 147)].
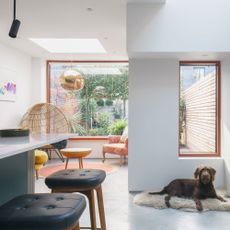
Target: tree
[(109, 87), (116, 87), (87, 95)]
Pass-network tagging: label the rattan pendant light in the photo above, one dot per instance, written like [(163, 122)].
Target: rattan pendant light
[(45, 118), (71, 80)]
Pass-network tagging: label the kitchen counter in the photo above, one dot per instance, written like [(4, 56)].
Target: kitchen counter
[(10, 146), (17, 163)]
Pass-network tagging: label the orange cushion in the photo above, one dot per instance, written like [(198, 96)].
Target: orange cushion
[(118, 148), (41, 157)]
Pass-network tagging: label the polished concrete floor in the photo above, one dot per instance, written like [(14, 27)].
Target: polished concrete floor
[(122, 214)]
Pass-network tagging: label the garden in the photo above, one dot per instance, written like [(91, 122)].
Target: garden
[(100, 107)]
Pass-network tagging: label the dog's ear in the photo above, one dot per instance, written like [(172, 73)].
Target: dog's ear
[(197, 172), (213, 172)]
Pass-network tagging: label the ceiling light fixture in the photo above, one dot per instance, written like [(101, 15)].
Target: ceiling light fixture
[(71, 80), (15, 24)]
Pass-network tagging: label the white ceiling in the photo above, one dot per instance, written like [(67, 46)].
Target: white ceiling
[(182, 55), (67, 19), (71, 19)]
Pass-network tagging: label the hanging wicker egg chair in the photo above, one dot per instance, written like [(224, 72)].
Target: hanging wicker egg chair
[(45, 118)]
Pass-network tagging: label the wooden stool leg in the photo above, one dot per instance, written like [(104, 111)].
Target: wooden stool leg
[(81, 163), (37, 174), (66, 163), (77, 227), (101, 207), (90, 195)]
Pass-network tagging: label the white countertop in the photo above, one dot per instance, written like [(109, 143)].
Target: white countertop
[(10, 146)]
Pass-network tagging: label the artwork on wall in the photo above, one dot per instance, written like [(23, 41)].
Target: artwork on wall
[(7, 90)]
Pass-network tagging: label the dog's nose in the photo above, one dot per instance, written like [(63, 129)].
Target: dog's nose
[(205, 178)]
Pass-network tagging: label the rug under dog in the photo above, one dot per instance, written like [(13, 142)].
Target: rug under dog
[(158, 202)]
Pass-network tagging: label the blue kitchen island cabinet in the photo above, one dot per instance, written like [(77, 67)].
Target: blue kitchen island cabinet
[(17, 163)]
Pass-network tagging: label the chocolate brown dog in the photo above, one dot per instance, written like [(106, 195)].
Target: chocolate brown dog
[(199, 188)]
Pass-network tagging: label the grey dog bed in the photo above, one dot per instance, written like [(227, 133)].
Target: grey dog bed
[(158, 202)]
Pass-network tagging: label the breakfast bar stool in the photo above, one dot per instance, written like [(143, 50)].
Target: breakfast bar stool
[(78, 153), (42, 211), (85, 181)]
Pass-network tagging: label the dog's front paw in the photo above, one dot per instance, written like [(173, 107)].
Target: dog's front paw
[(221, 199), (167, 204), (199, 208)]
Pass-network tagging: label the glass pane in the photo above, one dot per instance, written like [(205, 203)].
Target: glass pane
[(197, 117), (102, 101)]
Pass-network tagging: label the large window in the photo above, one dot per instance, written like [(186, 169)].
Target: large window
[(199, 120), (100, 107)]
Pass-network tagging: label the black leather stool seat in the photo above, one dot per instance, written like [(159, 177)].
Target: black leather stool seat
[(77, 178), (42, 211)]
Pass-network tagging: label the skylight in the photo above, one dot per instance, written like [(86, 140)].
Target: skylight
[(79, 45)]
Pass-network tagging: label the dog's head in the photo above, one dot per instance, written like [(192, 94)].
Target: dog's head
[(205, 174)]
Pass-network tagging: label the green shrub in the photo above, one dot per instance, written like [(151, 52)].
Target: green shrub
[(98, 132), (75, 124), (88, 109), (100, 102), (109, 102), (103, 120), (117, 115), (117, 127)]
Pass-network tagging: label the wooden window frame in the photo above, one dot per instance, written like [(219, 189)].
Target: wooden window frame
[(70, 61), (48, 62), (218, 111)]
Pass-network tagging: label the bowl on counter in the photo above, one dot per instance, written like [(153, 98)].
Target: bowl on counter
[(14, 132)]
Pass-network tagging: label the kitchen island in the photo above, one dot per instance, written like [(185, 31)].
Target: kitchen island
[(17, 162)]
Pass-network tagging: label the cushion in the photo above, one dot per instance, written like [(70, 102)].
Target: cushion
[(75, 178), (41, 157), (114, 145), (115, 148), (60, 144), (42, 211), (124, 135), (38, 166)]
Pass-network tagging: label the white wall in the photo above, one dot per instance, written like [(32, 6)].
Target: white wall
[(153, 127), (164, 30), (179, 26), (17, 65), (36, 67), (225, 124)]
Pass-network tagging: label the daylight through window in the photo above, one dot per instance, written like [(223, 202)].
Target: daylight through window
[(101, 106), (199, 109)]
